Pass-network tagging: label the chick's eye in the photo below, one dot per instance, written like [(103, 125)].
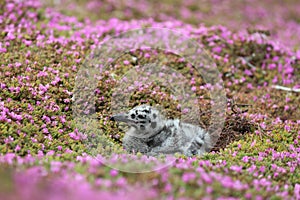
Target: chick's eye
[(142, 116)]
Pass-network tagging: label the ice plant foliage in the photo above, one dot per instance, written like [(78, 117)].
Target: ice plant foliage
[(42, 155)]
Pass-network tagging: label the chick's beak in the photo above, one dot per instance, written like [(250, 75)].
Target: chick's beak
[(120, 118)]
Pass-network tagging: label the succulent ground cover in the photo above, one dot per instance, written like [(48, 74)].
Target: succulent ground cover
[(43, 154)]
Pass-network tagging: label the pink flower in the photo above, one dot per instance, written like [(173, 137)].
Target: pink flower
[(236, 168), (74, 136), (262, 169), (287, 128), (62, 119), (245, 159), (113, 172), (185, 110), (45, 131), (168, 187), (217, 49), (55, 81), (121, 182), (297, 191), (43, 89), (126, 62), (186, 177), (263, 125), (286, 108), (17, 64), (206, 178), (42, 74), (8, 140), (3, 50), (253, 143), (55, 166), (17, 148)]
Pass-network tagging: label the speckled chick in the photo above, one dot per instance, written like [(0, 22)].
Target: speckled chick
[(151, 134)]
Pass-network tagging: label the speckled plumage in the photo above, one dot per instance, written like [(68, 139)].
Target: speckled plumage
[(150, 133)]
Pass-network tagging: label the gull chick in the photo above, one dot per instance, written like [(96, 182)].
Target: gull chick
[(150, 133)]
